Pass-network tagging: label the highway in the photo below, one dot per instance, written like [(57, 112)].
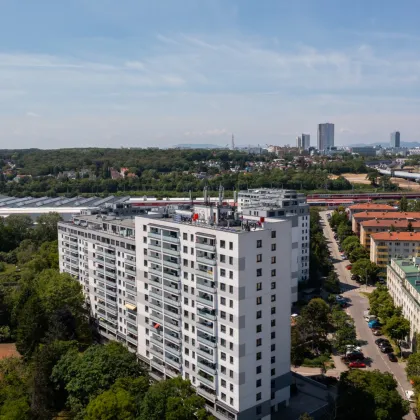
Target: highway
[(358, 305)]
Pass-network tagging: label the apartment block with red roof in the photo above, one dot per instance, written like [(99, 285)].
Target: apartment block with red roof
[(387, 245), (370, 207)]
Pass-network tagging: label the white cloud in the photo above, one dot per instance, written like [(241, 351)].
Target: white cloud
[(32, 114)]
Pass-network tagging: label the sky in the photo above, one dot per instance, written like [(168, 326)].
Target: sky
[(134, 73)]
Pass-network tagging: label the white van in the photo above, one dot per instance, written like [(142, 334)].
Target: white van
[(370, 318)]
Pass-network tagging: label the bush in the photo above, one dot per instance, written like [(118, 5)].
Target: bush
[(317, 361), (2, 267)]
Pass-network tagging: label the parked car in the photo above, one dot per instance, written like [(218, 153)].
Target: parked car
[(377, 332), (355, 356), (357, 365), (370, 318), (374, 324), (392, 357), (381, 340), (354, 277), (348, 266), (386, 349)]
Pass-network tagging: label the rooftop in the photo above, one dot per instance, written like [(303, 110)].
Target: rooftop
[(396, 236), (389, 222), (408, 266), (388, 215), (371, 206)]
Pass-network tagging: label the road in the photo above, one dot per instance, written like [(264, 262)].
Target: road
[(358, 305)]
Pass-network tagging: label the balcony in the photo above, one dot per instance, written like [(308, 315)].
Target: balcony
[(172, 324), (157, 364), (171, 300), (155, 305), (130, 269), (155, 339), (156, 280), (204, 273), (132, 329), (156, 351), (154, 235), (157, 248), (205, 260), (157, 271), (206, 286), (205, 246), (170, 251), (205, 313), (171, 288), (206, 379), (173, 350), (206, 300), (157, 260), (207, 367), (171, 239), (206, 392), (206, 353), (171, 264), (156, 316), (171, 276), (173, 362), (207, 340), (170, 336), (155, 295), (206, 326)]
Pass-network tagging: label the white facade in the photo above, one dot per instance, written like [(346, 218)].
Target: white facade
[(194, 299), (290, 205), (403, 282), (325, 136)]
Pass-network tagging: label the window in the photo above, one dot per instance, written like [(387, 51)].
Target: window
[(259, 257), (258, 369), (231, 246), (273, 347), (223, 356), (259, 342), (223, 369), (231, 332), (258, 383), (259, 286), (222, 258), (223, 328), (223, 397), (222, 300), (259, 328), (231, 344), (185, 248), (273, 359), (273, 247), (259, 272), (259, 300), (273, 234), (273, 298), (230, 289), (259, 314), (192, 238), (230, 303), (273, 310), (223, 287), (231, 274), (259, 243), (273, 260), (184, 236), (273, 285), (258, 396), (258, 410), (223, 342), (185, 276), (273, 372), (231, 400), (223, 383), (223, 314), (230, 373), (231, 260), (185, 262), (273, 334), (222, 244), (192, 251), (258, 356), (222, 272), (231, 388), (273, 322), (230, 318), (231, 360), (273, 273)]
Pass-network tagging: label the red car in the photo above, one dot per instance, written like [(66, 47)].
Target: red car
[(348, 267), (357, 365)]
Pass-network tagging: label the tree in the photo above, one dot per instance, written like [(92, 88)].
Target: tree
[(352, 239), (305, 416), (86, 375), (298, 347), (413, 366), (173, 399), (365, 269), (358, 253), (46, 227), (121, 401), (397, 327), (376, 395), (403, 206), (344, 230)]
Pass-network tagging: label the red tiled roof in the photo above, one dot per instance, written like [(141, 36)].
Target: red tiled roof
[(396, 236), (371, 206)]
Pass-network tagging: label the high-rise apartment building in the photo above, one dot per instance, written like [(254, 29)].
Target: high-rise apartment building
[(325, 136), (204, 294), (395, 139), (284, 204), (306, 141)]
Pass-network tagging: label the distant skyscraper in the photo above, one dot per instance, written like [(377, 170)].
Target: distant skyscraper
[(306, 141), (325, 136), (395, 139), (299, 142)]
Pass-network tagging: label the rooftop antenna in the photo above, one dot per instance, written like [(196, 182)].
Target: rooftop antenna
[(233, 142)]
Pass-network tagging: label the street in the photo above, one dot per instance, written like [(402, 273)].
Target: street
[(358, 304)]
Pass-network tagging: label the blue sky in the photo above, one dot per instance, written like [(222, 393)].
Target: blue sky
[(158, 73)]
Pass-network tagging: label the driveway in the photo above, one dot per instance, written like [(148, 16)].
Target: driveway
[(358, 304)]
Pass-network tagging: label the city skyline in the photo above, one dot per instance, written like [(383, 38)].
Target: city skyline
[(138, 74)]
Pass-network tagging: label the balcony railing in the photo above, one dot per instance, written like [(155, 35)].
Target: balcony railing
[(154, 247), (207, 327), (171, 288), (206, 380), (207, 314), (155, 271), (170, 251), (172, 337), (171, 301), (205, 247), (204, 273), (155, 295), (172, 362), (205, 260), (154, 235), (171, 276), (206, 301), (155, 305), (167, 238), (171, 264), (207, 287), (173, 350), (206, 354), (207, 367), (207, 340), (157, 260)]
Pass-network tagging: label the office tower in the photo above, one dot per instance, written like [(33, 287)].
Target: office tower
[(306, 141), (395, 139), (299, 142), (325, 136), (203, 294), (286, 204)]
